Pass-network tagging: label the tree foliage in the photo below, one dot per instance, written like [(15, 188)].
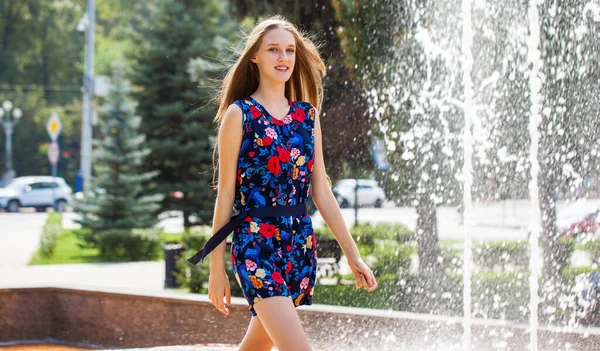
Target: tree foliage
[(114, 200), (175, 66)]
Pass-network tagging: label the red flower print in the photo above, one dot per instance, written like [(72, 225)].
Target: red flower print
[(255, 112), (268, 230), (288, 248), (274, 165), (284, 155), (299, 115), (308, 289), (251, 153), (278, 122), (267, 141), (310, 164), (288, 268), (277, 277)]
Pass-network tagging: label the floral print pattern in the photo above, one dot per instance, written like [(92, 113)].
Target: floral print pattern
[(275, 256)]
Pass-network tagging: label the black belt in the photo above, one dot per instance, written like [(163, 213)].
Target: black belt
[(221, 234)]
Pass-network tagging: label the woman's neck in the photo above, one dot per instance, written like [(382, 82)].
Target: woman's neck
[(270, 94)]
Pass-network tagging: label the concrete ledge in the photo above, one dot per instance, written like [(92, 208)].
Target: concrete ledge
[(124, 318)]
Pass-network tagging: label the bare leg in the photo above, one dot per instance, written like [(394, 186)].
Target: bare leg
[(280, 319), (256, 338)]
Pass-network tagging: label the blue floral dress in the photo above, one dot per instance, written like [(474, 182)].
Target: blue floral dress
[(275, 256)]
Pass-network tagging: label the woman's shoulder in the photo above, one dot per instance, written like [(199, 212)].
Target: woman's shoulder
[(242, 102), (305, 105)]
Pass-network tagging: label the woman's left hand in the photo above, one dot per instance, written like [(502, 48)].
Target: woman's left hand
[(363, 275)]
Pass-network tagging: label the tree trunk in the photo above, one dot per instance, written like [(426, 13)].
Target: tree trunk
[(427, 237)]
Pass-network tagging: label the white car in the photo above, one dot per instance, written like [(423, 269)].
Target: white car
[(369, 193), (35, 191)]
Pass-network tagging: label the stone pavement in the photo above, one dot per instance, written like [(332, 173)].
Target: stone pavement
[(19, 237)]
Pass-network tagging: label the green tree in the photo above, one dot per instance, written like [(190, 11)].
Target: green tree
[(41, 59), (114, 201), (569, 143), (174, 71)]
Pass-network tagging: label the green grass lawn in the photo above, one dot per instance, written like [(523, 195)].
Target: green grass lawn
[(67, 251)]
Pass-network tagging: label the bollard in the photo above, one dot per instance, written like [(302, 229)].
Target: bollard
[(172, 252)]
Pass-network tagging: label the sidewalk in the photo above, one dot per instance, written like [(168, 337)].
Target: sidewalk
[(145, 275)]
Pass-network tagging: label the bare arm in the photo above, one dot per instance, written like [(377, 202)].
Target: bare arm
[(229, 142)]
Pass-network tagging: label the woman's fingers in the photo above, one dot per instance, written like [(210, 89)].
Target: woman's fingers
[(357, 282), (228, 296), (365, 279), (371, 279), (218, 303), (362, 279)]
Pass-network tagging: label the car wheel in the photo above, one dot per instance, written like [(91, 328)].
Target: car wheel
[(378, 203), (13, 206), (342, 202), (60, 206)]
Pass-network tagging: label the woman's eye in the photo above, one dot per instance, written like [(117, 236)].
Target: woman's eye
[(271, 49), (291, 50)]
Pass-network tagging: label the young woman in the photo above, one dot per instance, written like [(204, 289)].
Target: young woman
[(270, 158)]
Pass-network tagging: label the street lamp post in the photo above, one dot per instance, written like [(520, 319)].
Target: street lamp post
[(9, 117), (87, 24)]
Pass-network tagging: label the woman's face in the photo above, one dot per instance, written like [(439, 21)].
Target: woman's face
[(276, 55)]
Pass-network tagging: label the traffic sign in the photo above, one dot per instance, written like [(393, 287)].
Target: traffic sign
[(53, 152), (53, 126)]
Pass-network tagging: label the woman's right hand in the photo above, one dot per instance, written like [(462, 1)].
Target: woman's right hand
[(219, 287)]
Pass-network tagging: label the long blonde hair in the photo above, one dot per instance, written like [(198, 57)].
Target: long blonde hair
[(305, 84)]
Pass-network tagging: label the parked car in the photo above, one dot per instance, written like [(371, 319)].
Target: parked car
[(579, 218), (35, 191), (369, 193)]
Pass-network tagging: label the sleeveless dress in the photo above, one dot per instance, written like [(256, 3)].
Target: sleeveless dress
[(275, 256)]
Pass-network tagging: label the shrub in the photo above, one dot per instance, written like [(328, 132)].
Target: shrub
[(368, 233), (51, 233), (593, 247), (133, 245), (386, 296), (196, 237), (498, 295), (570, 273), (493, 253), (392, 258), (452, 258), (324, 232), (195, 278)]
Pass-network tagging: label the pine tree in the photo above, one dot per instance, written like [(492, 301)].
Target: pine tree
[(114, 200), (177, 63)]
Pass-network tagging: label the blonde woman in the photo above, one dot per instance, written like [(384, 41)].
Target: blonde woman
[(270, 159)]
